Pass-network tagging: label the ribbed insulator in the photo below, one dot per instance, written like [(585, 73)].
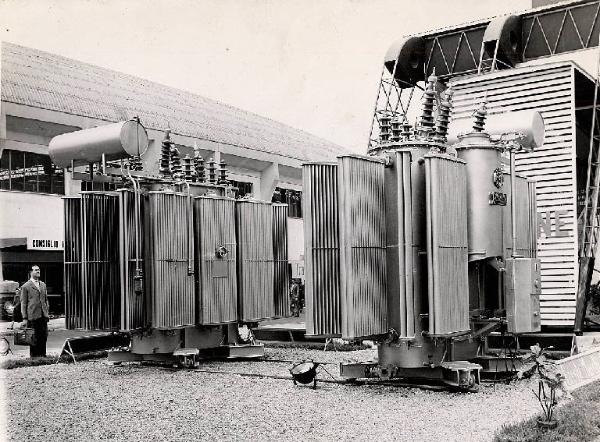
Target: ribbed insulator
[(135, 163), (165, 155), (396, 129), (384, 128), (222, 172), (427, 120), (188, 171), (212, 176), (176, 164), (443, 117), (406, 131), (199, 166), (479, 117)]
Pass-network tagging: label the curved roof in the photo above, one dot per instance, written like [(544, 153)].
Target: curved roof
[(44, 80)]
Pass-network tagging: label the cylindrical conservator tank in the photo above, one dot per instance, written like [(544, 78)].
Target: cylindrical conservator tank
[(280, 256), (169, 286), (254, 226), (485, 194), (115, 141), (322, 250), (216, 255)]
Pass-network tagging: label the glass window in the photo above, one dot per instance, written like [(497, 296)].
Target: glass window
[(293, 198), (243, 187), (30, 172)]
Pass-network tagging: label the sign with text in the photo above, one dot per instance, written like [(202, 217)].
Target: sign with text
[(45, 244), (552, 224)]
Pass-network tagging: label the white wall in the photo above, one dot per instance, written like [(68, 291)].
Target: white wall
[(31, 215), (295, 239)]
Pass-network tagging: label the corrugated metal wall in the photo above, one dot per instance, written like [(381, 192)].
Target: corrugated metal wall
[(133, 305), (321, 245), (280, 257), (399, 239), (171, 289), (524, 215), (550, 90), (254, 221), (447, 244), (217, 289), (362, 246)]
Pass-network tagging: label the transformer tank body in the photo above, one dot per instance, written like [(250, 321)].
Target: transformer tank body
[(446, 249), (174, 261)]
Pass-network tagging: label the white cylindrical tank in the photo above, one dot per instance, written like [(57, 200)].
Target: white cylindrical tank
[(115, 141), (486, 196), (529, 123)]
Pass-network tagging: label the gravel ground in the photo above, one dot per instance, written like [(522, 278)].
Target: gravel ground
[(96, 401)]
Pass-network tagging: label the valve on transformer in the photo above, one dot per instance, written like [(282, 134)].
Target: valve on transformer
[(222, 172), (165, 155), (443, 117), (199, 166), (426, 126), (176, 163), (212, 176), (479, 116), (188, 172), (135, 163)]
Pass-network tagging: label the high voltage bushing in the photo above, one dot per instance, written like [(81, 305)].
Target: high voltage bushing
[(165, 155), (406, 131), (479, 119), (222, 172), (176, 163), (427, 119), (212, 176), (187, 169), (199, 165), (443, 117), (384, 128), (396, 129)]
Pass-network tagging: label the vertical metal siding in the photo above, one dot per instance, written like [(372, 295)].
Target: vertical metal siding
[(172, 292), (447, 244), (280, 256), (214, 227), (550, 90), (254, 226), (133, 305), (321, 245), (399, 240), (363, 246)]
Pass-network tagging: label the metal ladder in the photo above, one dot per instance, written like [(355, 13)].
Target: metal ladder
[(590, 214)]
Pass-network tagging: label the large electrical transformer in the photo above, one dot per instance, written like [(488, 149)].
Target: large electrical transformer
[(425, 246), (173, 260)]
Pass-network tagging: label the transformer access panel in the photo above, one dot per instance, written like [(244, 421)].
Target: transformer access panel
[(522, 295)]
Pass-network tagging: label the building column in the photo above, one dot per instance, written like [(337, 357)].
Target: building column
[(269, 178)]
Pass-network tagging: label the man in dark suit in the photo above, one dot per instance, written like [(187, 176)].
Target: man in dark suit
[(35, 309)]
